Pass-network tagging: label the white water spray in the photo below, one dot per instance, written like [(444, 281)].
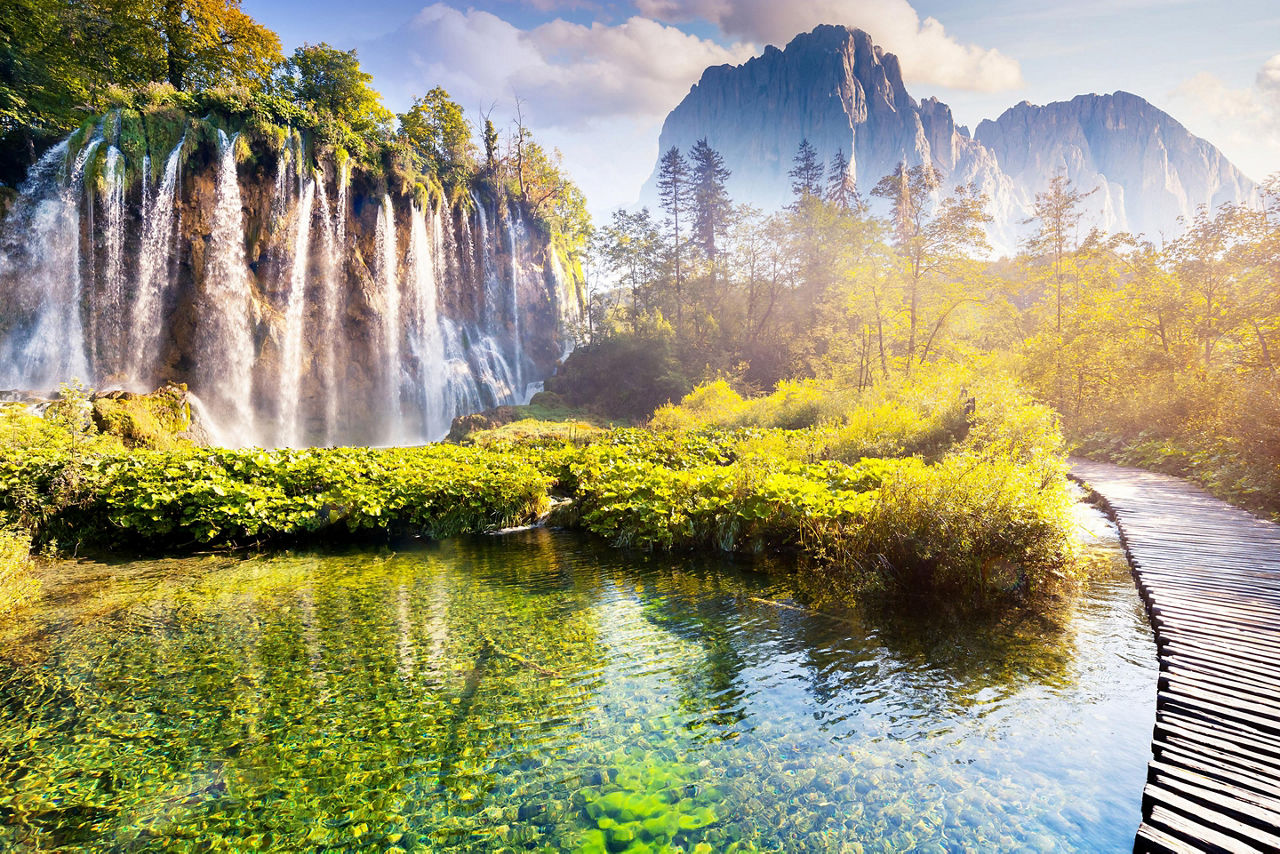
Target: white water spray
[(226, 351)]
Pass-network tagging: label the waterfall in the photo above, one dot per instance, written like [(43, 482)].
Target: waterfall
[(226, 349), (516, 239), (330, 271), (109, 346), (155, 274), (305, 310), (426, 346), (288, 430), (385, 247), (41, 272), (488, 265)]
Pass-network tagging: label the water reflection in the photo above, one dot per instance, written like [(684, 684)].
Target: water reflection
[(537, 690)]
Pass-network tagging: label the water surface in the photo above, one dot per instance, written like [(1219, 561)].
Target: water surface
[(537, 691)]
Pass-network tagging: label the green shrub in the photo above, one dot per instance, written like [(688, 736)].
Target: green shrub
[(624, 376), (18, 583), (180, 499)]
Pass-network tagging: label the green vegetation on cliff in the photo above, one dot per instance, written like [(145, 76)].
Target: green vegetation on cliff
[(149, 73)]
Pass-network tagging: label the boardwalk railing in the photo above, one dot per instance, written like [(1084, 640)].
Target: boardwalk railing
[(1209, 574)]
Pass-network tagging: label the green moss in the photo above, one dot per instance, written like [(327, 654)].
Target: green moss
[(163, 128), (111, 126), (133, 144), (268, 136), (94, 176), (157, 420), (243, 151)]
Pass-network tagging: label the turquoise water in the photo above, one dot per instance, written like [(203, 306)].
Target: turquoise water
[(535, 691)]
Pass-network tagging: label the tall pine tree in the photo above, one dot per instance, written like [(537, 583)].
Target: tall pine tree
[(841, 190), (711, 206), (806, 173), (673, 193)]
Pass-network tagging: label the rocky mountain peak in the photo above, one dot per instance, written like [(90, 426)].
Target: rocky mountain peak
[(836, 88), (832, 86)]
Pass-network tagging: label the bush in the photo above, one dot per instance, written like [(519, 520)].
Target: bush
[(624, 376), (974, 507), (18, 583), (174, 500)]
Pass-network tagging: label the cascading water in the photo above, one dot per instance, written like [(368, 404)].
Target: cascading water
[(520, 264), (488, 266), (225, 352), (109, 346), (41, 264), (426, 346), (155, 274), (330, 264), (389, 282), (310, 306), (289, 431)]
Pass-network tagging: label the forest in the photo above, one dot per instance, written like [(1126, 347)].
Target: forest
[(1160, 355), (64, 64)]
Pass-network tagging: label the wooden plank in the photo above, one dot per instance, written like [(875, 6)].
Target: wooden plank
[(1250, 816), (1209, 575), (1200, 837), (1237, 770), (1248, 738), (1153, 840)]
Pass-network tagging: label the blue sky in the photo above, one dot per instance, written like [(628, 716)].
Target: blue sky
[(596, 78)]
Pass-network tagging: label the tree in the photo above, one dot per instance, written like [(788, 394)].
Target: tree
[(1206, 258), (673, 193), (209, 43), (628, 248), (490, 145), (711, 206), (931, 246), (1057, 215), (330, 87), (806, 173), (60, 59), (841, 190), (438, 135)]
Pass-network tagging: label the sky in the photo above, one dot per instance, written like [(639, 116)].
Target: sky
[(595, 78)]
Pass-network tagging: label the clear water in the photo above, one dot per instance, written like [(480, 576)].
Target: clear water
[(538, 692)]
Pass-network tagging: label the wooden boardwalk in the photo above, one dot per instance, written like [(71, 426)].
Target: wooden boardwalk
[(1210, 577)]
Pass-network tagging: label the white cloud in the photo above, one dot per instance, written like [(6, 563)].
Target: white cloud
[(570, 75), (1244, 122), (928, 54)]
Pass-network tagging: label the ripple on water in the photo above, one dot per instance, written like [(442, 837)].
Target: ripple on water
[(535, 689)]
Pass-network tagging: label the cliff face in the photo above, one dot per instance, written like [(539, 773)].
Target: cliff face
[(1148, 169), (303, 302), (834, 87)]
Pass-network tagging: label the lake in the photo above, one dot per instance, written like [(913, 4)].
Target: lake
[(538, 690)]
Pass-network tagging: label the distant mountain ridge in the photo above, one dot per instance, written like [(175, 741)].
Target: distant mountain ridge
[(836, 88)]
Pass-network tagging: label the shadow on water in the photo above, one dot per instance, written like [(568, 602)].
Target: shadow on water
[(537, 689)]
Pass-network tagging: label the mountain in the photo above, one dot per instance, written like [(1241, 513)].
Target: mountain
[(836, 88), (1147, 169)]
